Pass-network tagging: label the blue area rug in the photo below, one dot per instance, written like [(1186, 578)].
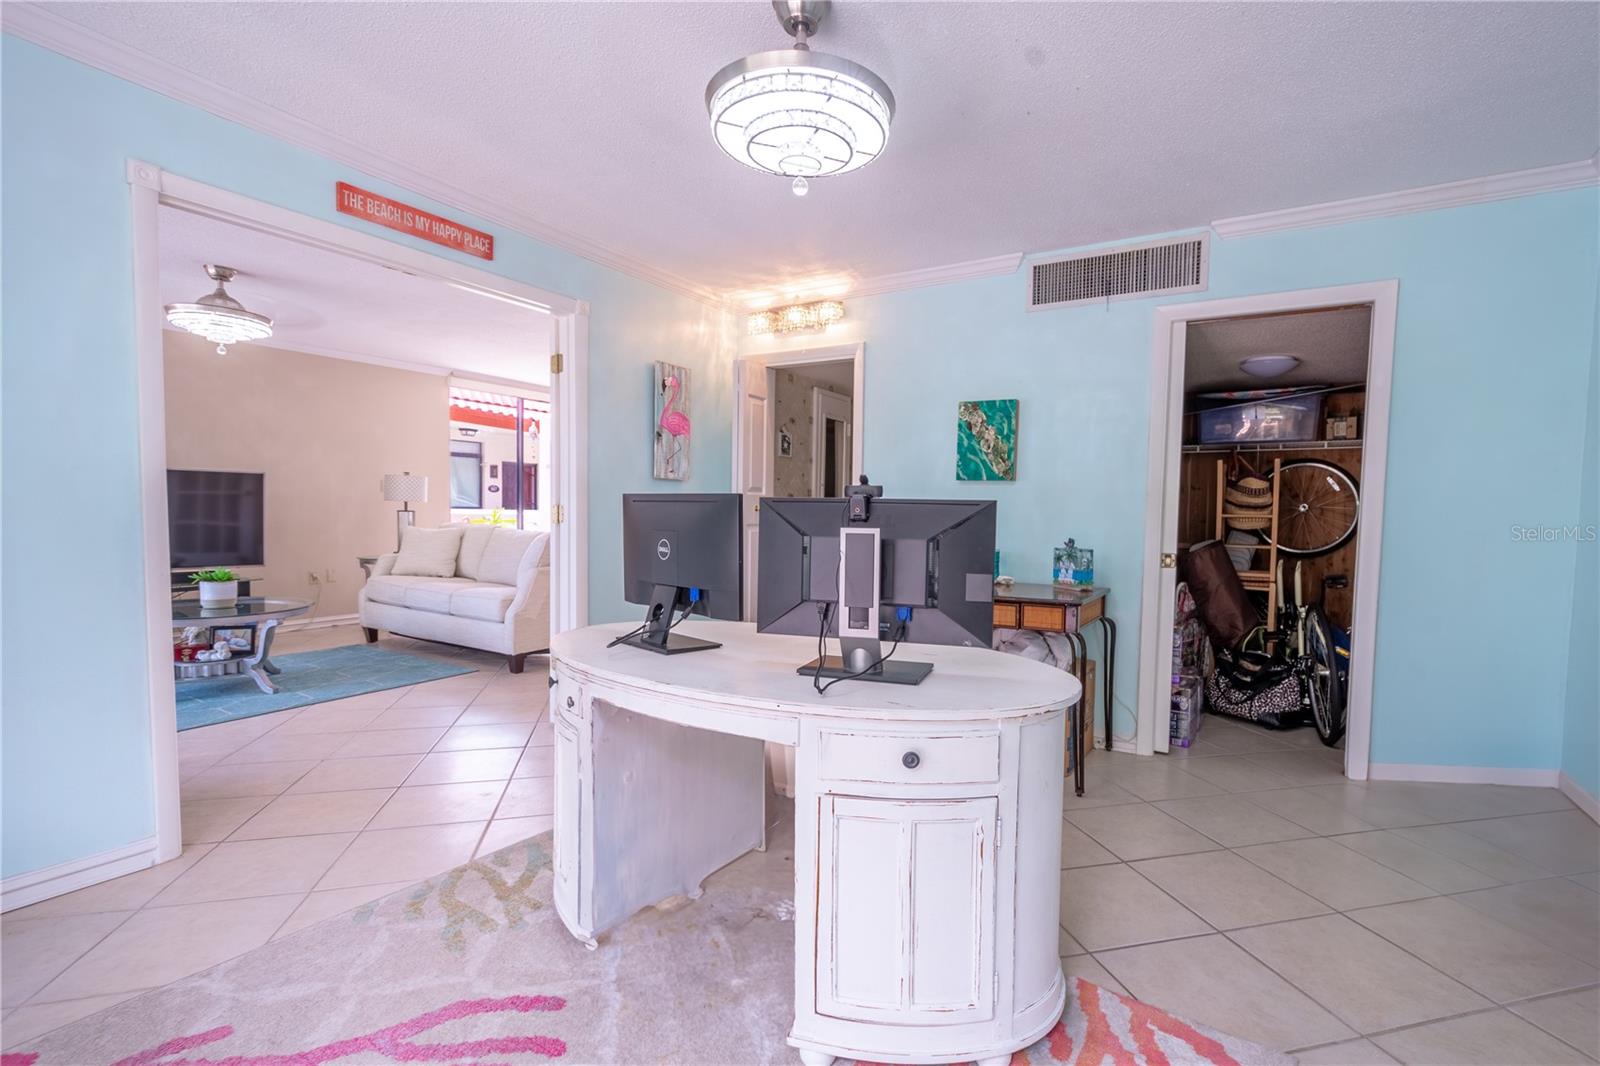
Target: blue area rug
[(308, 677)]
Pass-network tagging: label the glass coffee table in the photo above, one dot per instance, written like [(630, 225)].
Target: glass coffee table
[(255, 614)]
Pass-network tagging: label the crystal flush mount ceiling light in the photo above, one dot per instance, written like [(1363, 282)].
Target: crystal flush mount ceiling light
[(797, 113), (218, 317)]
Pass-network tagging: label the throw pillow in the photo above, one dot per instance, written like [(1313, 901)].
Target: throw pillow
[(428, 552), (473, 540), (504, 553)]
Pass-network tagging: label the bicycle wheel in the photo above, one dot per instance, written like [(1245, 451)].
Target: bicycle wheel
[(1318, 505), (1327, 691)]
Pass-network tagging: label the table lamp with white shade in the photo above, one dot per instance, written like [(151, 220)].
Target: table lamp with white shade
[(406, 488)]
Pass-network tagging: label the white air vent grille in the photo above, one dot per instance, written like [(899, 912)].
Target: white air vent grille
[(1118, 273)]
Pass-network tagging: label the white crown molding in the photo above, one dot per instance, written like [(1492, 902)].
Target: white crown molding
[(993, 266), (1427, 198), (35, 24)]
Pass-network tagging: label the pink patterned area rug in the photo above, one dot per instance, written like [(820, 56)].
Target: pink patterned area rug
[(474, 967)]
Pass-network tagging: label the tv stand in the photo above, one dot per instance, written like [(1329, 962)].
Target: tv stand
[(182, 584)]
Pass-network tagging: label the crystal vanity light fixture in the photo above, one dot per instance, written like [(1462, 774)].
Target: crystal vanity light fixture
[(218, 317), (796, 318)]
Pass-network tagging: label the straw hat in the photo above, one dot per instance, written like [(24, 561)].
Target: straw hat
[(1249, 501)]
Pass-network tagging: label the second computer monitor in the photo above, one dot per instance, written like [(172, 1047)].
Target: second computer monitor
[(937, 562), (681, 553)]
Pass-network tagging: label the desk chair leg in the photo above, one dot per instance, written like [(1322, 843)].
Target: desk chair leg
[(1109, 628)]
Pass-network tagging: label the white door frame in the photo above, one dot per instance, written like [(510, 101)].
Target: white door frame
[(820, 398), (151, 188), (1161, 488), (791, 357)]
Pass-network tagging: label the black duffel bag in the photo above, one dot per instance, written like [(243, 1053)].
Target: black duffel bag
[(1257, 688)]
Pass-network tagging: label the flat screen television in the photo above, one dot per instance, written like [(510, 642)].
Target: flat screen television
[(215, 518)]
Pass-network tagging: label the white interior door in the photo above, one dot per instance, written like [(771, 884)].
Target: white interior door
[(752, 468), (1167, 593)]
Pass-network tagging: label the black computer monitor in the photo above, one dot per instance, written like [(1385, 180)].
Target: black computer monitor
[(681, 552), (924, 574)]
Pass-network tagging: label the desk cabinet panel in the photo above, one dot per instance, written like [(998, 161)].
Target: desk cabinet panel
[(567, 848), (906, 910)]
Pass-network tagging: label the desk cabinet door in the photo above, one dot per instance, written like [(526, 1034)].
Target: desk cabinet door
[(569, 792), (906, 910)]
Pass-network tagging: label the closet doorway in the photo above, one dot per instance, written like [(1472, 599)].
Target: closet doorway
[(1269, 424)]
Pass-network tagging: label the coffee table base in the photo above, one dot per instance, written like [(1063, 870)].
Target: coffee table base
[(257, 666)]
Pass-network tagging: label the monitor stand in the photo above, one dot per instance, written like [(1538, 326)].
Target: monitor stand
[(857, 654), (657, 635)]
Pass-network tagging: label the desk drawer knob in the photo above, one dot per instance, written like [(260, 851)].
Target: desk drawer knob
[(911, 760), (570, 702)]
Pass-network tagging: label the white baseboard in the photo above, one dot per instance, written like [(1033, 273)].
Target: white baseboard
[(327, 621), (19, 890), (1463, 775), (1580, 796)]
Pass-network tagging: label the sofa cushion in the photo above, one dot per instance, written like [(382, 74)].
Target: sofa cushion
[(433, 594), (503, 555), (482, 601), (428, 552), (474, 538), (385, 588)]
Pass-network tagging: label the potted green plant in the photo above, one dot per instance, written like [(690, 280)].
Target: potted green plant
[(218, 587)]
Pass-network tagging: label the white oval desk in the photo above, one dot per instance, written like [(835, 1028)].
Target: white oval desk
[(927, 825)]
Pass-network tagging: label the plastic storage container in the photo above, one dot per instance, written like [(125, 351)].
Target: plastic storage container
[(1291, 418)]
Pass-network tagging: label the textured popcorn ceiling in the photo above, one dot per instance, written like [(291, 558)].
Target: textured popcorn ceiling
[(1021, 126)]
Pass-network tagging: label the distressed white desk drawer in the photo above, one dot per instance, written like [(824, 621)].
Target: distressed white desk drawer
[(900, 759)]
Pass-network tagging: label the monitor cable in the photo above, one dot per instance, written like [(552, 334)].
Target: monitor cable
[(688, 609), (822, 632)]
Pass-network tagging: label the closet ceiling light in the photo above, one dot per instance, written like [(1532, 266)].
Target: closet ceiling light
[(797, 113), (218, 317), (1268, 366)]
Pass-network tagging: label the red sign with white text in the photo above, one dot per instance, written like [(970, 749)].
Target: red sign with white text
[(413, 220)]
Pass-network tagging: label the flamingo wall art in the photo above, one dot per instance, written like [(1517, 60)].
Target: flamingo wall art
[(672, 426)]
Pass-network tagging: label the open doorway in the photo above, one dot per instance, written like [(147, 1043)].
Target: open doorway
[(797, 432), (1269, 491), (374, 345), (1268, 435)]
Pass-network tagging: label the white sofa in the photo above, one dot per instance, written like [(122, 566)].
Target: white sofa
[(497, 599)]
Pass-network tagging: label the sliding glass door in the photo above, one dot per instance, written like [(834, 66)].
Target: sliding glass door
[(495, 457)]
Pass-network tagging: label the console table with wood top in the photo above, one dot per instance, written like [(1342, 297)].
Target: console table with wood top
[(1049, 609)]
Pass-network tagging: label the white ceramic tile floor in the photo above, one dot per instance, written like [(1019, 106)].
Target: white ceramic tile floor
[(1240, 882)]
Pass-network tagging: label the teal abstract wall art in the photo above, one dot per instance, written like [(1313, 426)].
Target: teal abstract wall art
[(986, 440)]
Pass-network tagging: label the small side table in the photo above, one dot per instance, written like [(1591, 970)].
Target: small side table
[(1048, 609)]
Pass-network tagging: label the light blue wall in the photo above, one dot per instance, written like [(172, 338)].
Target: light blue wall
[(1491, 354), (1580, 753), (74, 732)]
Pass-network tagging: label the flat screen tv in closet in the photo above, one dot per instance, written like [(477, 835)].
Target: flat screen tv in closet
[(216, 518)]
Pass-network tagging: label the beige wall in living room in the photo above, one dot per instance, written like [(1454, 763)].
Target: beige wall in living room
[(323, 431)]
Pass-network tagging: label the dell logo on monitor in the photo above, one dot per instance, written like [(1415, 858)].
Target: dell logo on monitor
[(664, 549)]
